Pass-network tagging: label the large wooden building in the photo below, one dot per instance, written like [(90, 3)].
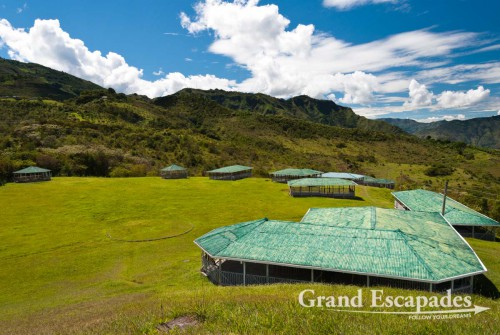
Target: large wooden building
[(322, 187), (233, 172), (364, 246), (283, 176), (465, 220), (32, 174)]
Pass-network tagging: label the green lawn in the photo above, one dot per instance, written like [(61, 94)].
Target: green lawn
[(60, 273)]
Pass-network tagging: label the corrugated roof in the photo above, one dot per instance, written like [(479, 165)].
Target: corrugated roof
[(342, 175), (173, 167), (365, 240), (231, 169), (320, 182), (296, 172), (455, 212), (32, 169), (377, 180)]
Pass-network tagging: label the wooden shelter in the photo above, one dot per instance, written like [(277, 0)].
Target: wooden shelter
[(322, 187), (468, 222), (283, 176), (174, 172), (233, 172), (365, 246), (377, 182), (32, 174)]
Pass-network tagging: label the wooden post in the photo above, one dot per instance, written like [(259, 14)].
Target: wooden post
[(452, 286), (244, 273), (444, 196), (367, 281), (430, 287), (472, 231), (267, 273), (312, 275)]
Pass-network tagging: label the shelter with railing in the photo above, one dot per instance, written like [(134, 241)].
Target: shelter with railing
[(32, 174), (233, 172), (377, 182), (322, 187), (283, 176), (364, 246), (468, 222), (174, 172)]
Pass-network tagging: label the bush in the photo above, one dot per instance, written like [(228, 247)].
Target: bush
[(439, 170)]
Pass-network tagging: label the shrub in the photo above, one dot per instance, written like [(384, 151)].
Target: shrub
[(439, 170)]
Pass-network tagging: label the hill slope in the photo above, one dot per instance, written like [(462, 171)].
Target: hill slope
[(481, 132), (302, 107), (32, 80)]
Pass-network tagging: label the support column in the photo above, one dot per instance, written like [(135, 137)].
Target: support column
[(267, 273), (244, 273), (367, 281), (472, 231), (452, 286), (430, 287), (312, 275)]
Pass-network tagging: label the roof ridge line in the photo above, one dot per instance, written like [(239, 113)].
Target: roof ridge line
[(373, 218), (427, 268)]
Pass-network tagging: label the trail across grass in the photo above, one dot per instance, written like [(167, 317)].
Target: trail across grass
[(61, 273)]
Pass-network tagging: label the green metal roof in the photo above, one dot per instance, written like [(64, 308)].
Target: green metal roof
[(32, 169), (296, 172), (377, 180), (366, 240), (231, 169), (455, 213), (173, 167), (320, 182)]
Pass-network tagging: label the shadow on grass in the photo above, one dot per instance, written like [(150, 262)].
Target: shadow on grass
[(483, 286)]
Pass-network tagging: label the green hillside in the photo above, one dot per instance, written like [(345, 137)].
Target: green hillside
[(480, 132), (28, 80), (302, 107)]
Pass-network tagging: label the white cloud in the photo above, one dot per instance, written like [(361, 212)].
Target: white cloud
[(158, 73), (348, 4), (419, 95), (454, 99), (47, 44), (22, 8), (284, 62), (441, 118), (188, 59)]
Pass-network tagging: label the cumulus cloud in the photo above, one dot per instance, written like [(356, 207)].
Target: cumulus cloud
[(47, 44), (420, 96), (453, 99), (283, 61), (286, 61), (348, 4), (444, 117)]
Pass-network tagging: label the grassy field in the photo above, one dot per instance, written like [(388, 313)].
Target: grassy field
[(61, 273)]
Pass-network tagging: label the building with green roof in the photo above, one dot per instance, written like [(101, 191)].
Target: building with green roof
[(363, 246), (233, 172), (173, 172), (283, 176), (322, 187), (467, 221), (32, 174), (377, 182)]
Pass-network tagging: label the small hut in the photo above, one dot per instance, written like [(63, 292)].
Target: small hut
[(233, 172), (377, 182), (322, 187), (32, 174), (174, 172), (283, 176)]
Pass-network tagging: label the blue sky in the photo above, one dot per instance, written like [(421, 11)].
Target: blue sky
[(426, 60)]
